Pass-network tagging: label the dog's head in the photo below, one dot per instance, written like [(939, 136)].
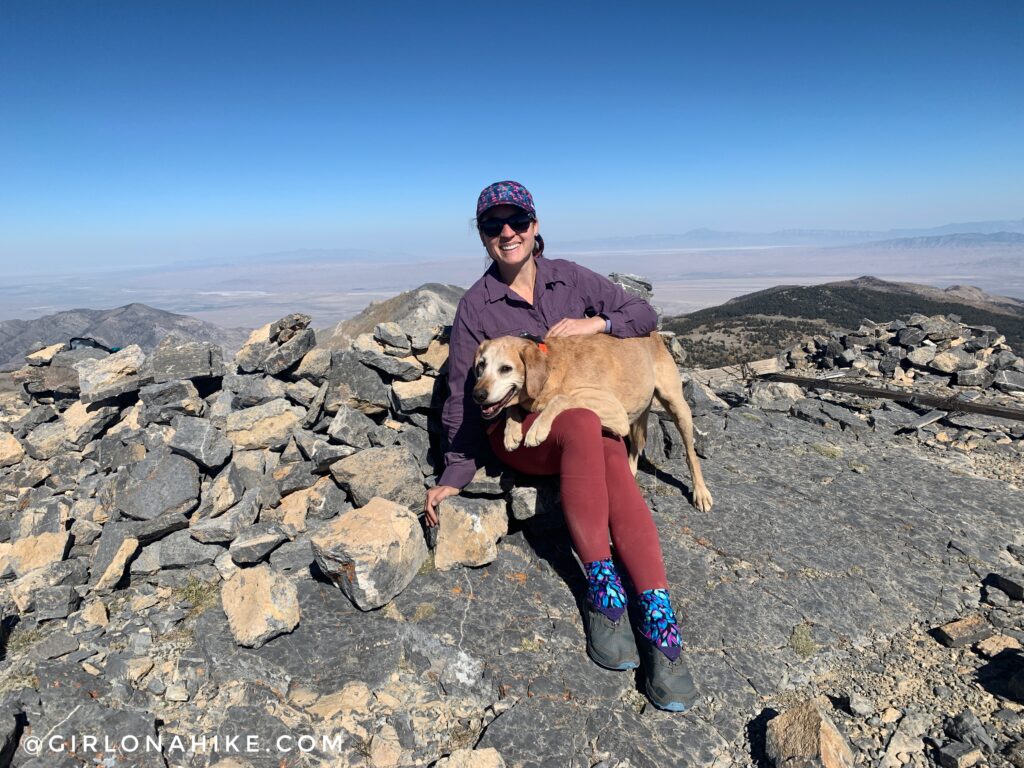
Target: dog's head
[(508, 370)]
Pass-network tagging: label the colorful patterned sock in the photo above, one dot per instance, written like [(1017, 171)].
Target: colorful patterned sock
[(659, 622), (604, 589)]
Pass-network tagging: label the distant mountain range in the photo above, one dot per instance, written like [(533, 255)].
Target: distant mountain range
[(130, 324), (709, 238)]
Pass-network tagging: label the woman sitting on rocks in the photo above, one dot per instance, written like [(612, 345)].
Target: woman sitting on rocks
[(522, 291)]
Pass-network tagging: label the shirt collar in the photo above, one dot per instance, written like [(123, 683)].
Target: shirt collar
[(547, 273)]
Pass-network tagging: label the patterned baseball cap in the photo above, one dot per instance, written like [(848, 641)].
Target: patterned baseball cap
[(505, 193)]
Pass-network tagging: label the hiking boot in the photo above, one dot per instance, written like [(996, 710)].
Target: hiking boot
[(610, 643), (668, 683)]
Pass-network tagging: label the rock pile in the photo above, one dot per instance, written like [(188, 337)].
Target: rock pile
[(228, 482), (937, 351)]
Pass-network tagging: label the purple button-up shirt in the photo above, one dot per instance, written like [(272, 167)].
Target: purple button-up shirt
[(489, 309)]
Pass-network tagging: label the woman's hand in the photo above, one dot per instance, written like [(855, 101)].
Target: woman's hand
[(435, 496), (585, 326)]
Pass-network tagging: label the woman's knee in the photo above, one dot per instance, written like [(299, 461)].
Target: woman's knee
[(576, 423)]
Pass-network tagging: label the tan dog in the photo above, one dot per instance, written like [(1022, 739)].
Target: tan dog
[(615, 378)]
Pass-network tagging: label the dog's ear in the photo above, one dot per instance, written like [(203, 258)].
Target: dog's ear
[(535, 369)]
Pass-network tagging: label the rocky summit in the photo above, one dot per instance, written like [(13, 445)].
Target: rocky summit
[(217, 561)]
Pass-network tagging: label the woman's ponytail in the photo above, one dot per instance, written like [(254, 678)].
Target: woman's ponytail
[(538, 246)]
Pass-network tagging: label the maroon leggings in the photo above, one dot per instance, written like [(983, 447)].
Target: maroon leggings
[(599, 493)]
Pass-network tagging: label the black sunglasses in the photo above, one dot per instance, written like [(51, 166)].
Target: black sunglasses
[(520, 222)]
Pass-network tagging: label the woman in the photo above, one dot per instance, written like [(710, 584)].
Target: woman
[(522, 291)]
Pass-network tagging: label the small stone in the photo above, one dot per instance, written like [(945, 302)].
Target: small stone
[(966, 631), (468, 532), (176, 692), (992, 646), (956, 754), (201, 441), (114, 375), (805, 735)]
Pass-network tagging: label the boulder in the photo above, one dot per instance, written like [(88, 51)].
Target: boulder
[(413, 395), (162, 402), (290, 352), (469, 531), (353, 384), (177, 358), (391, 473), (161, 484), (11, 451), (255, 350), (350, 427), (200, 441), (82, 422), (371, 553), (31, 552), (263, 426), (113, 375), (260, 605)]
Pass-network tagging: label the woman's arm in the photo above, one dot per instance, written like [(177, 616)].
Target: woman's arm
[(460, 415), (630, 315)]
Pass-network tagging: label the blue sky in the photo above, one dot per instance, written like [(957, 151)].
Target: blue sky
[(148, 132)]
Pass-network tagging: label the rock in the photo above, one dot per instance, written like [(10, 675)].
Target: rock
[(289, 353), (44, 355), (160, 484), (401, 368), (56, 645), (956, 754), (162, 402), (966, 727), (702, 399), (980, 376), (966, 631), (391, 473), (1010, 583), (371, 553), (200, 441), (829, 415), (177, 358), (82, 423), (774, 396), (31, 552), (529, 501), (993, 646), (472, 758), (413, 395), (226, 527), (45, 441), (181, 550), (468, 532), (859, 705), (11, 451), (255, 350), (254, 389), (114, 570), (905, 741), (350, 427), (260, 605), (921, 356), (263, 426), (435, 357), (953, 360), (283, 330), (353, 384), (1010, 381), (301, 392), (392, 335), (256, 543), (114, 375), (315, 365), (226, 491), (805, 736)]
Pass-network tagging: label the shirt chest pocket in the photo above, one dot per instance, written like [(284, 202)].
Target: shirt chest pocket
[(496, 331)]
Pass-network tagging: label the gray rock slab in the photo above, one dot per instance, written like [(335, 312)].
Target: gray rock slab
[(289, 353), (160, 484), (178, 358), (200, 441)]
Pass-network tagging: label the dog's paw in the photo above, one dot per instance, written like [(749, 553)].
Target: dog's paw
[(537, 434), (513, 439), (702, 499)]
